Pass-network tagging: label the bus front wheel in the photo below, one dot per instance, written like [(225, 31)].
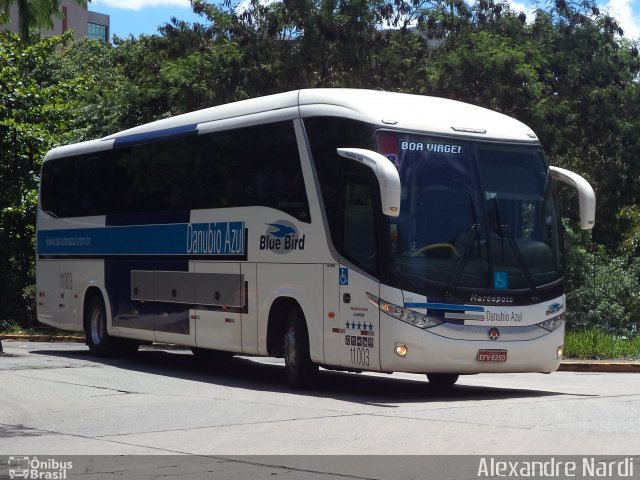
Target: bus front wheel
[(442, 379), (300, 370)]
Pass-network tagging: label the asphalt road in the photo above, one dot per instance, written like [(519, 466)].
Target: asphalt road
[(58, 400)]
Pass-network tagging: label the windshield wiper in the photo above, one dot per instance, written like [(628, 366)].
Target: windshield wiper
[(521, 263), (472, 233), (505, 231)]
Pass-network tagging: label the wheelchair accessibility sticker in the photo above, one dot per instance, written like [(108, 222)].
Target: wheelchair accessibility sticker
[(344, 276), (500, 280)]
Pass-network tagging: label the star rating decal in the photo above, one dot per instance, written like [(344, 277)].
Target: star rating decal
[(359, 326)]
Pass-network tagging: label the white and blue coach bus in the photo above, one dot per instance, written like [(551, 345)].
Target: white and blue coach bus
[(348, 229)]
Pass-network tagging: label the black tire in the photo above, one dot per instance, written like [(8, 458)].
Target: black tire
[(300, 371), (98, 339), (442, 380)]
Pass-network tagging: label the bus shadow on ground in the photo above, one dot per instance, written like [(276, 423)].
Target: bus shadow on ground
[(267, 374)]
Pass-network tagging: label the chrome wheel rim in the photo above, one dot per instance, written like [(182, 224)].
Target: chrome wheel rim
[(97, 327), (290, 348)]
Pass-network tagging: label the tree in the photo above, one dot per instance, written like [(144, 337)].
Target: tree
[(603, 288), (568, 74), (106, 103), (34, 116)]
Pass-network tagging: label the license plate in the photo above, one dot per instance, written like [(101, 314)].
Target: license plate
[(497, 356)]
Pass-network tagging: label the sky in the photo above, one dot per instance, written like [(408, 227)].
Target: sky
[(135, 17)]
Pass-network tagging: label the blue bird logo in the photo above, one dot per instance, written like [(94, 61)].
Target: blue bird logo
[(281, 230)]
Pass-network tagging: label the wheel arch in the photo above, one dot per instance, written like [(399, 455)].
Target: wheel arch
[(91, 292), (277, 322)]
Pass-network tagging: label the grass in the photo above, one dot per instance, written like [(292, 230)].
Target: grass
[(598, 345), (13, 328)]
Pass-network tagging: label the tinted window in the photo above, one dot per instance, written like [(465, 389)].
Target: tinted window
[(473, 215), (350, 192), (254, 166)]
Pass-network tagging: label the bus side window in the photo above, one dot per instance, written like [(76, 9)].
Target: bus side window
[(257, 166), (250, 166)]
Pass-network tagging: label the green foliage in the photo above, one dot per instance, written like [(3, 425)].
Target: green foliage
[(102, 102), (34, 115), (569, 76), (10, 327), (596, 344), (631, 236), (603, 289)]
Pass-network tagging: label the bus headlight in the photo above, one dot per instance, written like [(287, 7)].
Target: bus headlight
[(401, 350), (409, 316), (553, 323)]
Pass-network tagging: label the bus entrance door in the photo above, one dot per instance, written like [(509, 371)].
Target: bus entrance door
[(359, 321)]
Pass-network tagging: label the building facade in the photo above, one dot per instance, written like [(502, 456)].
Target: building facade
[(75, 17)]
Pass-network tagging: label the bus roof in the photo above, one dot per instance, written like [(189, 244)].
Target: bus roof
[(392, 110), (418, 112)]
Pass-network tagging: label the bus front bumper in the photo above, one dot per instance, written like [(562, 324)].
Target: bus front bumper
[(430, 352)]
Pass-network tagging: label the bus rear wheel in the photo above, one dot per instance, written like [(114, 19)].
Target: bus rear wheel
[(98, 339), (299, 369), (442, 379)]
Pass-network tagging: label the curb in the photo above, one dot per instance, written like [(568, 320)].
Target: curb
[(605, 366)]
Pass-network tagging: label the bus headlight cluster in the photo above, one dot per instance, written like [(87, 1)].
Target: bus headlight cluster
[(553, 323), (409, 316)]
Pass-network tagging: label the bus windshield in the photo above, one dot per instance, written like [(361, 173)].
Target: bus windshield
[(475, 215)]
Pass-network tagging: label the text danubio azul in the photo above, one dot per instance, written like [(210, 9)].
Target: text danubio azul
[(223, 238)]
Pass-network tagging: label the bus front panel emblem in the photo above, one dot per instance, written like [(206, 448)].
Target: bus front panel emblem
[(493, 333)]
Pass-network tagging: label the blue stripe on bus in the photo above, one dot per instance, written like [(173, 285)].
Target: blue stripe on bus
[(145, 137), (224, 239), (446, 306)]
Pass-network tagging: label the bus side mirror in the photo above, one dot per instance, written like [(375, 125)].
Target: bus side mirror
[(586, 195), (385, 172)]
